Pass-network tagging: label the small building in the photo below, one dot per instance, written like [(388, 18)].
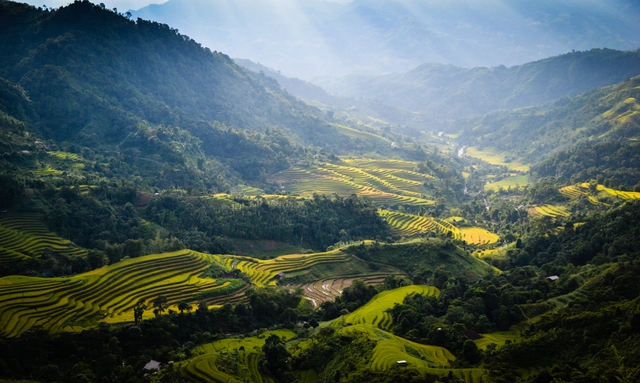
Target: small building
[(280, 276), (402, 363), (472, 335), (553, 278), (153, 365)]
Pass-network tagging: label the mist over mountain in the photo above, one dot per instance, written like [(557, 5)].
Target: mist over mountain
[(450, 92), (321, 38)]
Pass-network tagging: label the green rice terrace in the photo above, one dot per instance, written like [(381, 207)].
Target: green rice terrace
[(110, 293), (385, 182), (23, 235)]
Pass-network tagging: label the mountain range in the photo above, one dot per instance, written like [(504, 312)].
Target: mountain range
[(307, 39)]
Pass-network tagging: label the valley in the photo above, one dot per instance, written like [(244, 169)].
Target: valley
[(168, 214)]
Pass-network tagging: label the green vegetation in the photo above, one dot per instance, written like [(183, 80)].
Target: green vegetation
[(212, 220)]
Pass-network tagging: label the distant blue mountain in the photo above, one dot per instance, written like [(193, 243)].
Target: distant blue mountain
[(306, 38)]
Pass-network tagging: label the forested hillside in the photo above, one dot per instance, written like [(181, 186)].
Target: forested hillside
[(167, 215), (530, 134), (450, 92)]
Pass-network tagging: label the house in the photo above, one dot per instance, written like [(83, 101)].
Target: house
[(553, 278), (402, 363), (153, 365), (280, 276), (472, 334)]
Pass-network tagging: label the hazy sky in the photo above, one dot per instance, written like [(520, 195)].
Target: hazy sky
[(122, 5)]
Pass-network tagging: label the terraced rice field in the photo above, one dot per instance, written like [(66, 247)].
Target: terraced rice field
[(106, 294), (627, 195), (374, 312), (383, 181), (328, 289), (575, 192), (550, 211), (499, 338), (246, 351), (478, 236), (391, 348), (408, 224), (23, 235), (264, 272)]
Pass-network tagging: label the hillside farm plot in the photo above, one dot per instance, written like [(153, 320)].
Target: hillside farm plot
[(265, 272), (510, 183), (23, 235), (106, 294), (494, 158), (383, 181), (329, 289), (478, 236), (374, 312), (626, 195), (548, 210), (391, 348), (246, 351), (408, 224)]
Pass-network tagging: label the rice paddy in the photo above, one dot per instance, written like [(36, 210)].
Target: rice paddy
[(330, 288), (494, 158), (106, 294), (24, 235), (374, 312), (513, 182), (552, 211), (246, 351), (385, 182)]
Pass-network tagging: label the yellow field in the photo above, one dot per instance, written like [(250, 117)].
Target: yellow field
[(513, 182), (628, 195), (551, 211), (478, 236), (495, 159), (106, 294), (383, 181)]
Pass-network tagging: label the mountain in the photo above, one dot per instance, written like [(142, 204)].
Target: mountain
[(84, 76), (371, 112), (306, 38), (450, 92), (603, 115)]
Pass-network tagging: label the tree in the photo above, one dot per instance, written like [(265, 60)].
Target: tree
[(184, 306), (138, 311), (276, 357), (160, 305)]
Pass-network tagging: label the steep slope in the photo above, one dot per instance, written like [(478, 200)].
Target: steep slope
[(607, 114), (449, 92), (95, 79)]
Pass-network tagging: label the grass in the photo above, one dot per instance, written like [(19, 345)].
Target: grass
[(495, 158)]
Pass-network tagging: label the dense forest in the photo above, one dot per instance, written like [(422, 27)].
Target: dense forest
[(212, 223)]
